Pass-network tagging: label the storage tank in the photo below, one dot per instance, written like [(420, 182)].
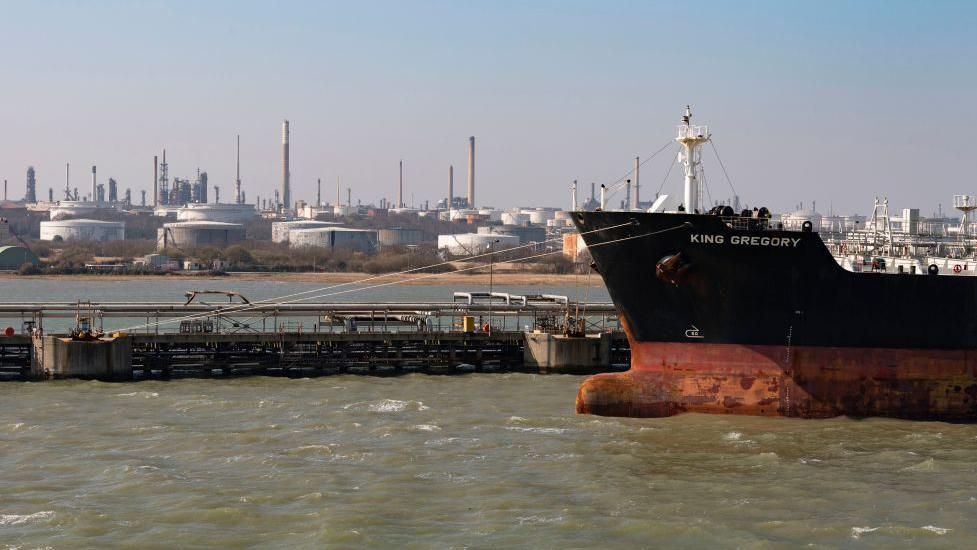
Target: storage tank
[(229, 213), (399, 236), (491, 214), (462, 214), (526, 233), (468, 244), (514, 218), (795, 220), (539, 216), (359, 240), (82, 230), (72, 209), (280, 230), (198, 233)]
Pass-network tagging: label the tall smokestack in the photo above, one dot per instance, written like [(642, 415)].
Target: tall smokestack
[(637, 182), (155, 182), (471, 172), (400, 190), (94, 191), (237, 179), (339, 192), (286, 195), (451, 185), (318, 194)]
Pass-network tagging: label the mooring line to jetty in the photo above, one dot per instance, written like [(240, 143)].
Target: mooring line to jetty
[(278, 300), (615, 185)]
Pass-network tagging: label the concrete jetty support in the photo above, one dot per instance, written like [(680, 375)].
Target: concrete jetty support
[(62, 357), (568, 354)]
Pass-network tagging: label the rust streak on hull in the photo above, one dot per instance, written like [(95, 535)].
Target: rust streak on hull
[(819, 382)]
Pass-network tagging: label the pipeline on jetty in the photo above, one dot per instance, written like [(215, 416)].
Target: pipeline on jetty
[(475, 332)]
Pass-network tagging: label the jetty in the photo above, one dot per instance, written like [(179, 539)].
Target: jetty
[(219, 333)]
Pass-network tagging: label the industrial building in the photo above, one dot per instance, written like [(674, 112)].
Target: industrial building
[(467, 244), (82, 230), (198, 233), (12, 257), (359, 240), (280, 230)]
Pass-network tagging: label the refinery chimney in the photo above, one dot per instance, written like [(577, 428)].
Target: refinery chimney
[(471, 172), (237, 181), (451, 185), (400, 189), (94, 191), (286, 195)]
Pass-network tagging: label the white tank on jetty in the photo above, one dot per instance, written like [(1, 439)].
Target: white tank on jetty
[(82, 230)]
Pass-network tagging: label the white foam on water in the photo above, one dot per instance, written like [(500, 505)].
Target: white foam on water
[(426, 428), (537, 520), (143, 394), (9, 520), (548, 431), (857, 532), (927, 465), (733, 436), (935, 529), (387, 406)]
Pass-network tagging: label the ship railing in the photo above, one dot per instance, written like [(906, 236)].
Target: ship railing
[(688, 132), (744, 223)]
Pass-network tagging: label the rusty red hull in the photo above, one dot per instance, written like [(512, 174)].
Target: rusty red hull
[(667, 378)]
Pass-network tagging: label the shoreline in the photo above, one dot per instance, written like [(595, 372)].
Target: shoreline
[(499, 278)]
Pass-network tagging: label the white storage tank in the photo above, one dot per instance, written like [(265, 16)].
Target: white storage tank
[(491, 214), (538, 216), (280, 230), (399, 236), (515, 218), (795, 220), (360, 240), (82, 230), (462, 214), (229, 213), (72, 209), (467, 244), (193, 234)]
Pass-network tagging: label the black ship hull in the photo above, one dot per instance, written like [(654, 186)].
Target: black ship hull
[(726, 315)]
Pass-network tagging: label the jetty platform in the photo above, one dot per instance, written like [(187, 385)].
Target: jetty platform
[(477, 332)]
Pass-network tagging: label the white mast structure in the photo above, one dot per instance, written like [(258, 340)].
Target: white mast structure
[(691, 138)]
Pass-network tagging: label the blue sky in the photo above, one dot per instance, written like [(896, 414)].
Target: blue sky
[(836, 102)]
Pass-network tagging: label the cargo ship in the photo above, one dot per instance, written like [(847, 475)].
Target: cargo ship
[(728, 312)]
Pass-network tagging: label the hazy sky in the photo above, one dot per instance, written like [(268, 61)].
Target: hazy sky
[(830, 101)]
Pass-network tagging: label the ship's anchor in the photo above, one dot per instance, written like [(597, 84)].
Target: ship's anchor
[(672, 268)]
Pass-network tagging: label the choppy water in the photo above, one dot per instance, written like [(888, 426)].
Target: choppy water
[(481, 461)]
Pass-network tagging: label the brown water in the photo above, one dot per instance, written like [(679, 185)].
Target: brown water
[(481, 461)]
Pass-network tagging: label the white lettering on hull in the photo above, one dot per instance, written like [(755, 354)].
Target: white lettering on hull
[(745, 240)]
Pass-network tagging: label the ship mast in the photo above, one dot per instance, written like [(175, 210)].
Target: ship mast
[(691, 138)]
